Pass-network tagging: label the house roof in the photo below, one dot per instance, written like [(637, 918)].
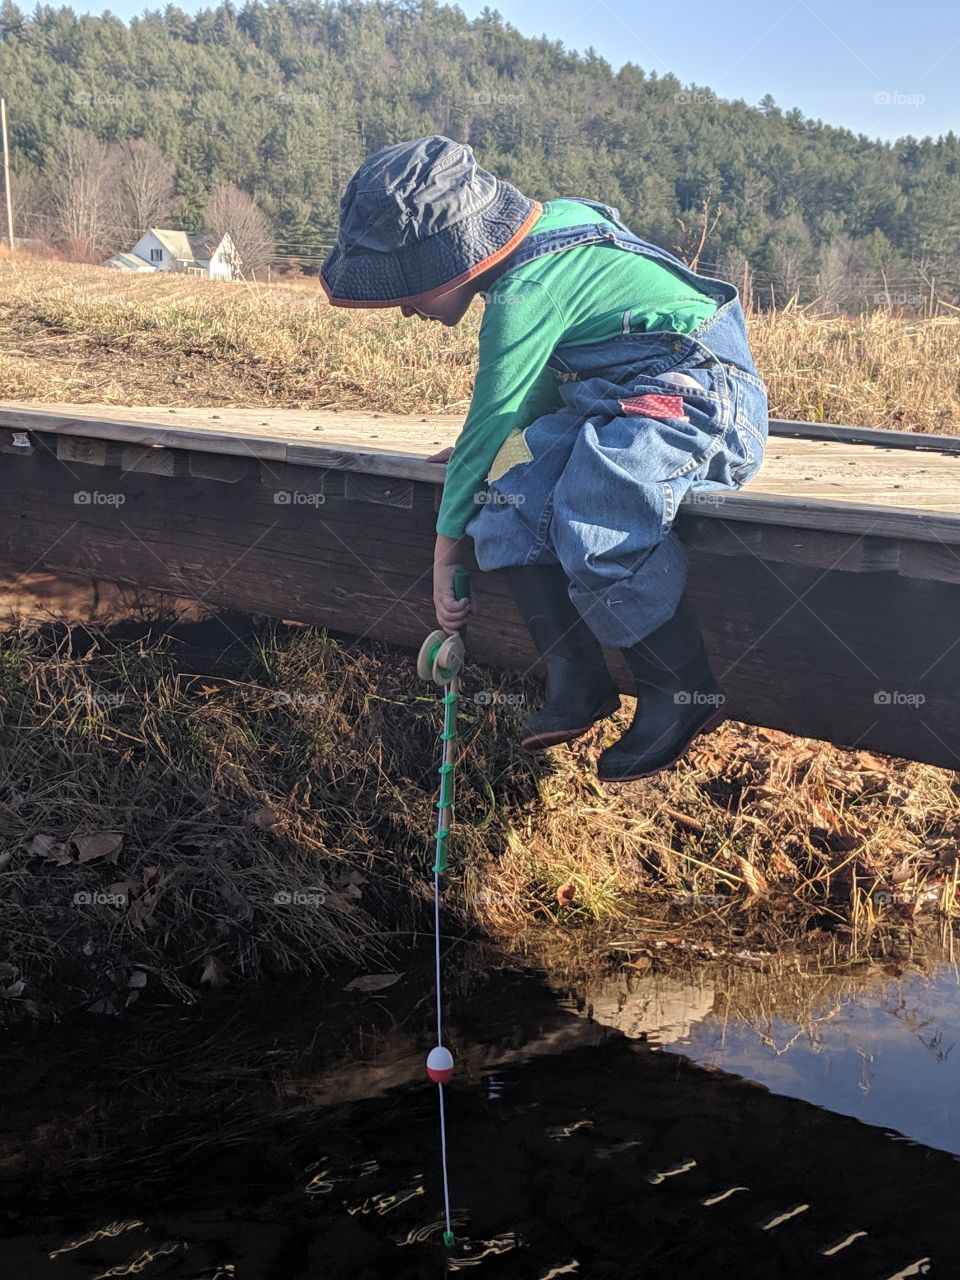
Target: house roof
[(129, 262), (189, 246)]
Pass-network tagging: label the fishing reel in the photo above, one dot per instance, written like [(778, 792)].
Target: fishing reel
[(441, 656)]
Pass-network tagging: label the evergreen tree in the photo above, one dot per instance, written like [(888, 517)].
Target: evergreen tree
[(284, 98)]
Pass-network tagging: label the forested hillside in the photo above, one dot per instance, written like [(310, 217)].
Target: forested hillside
[(282, 100)]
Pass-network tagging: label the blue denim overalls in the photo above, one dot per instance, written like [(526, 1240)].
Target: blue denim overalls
[(597, 486)]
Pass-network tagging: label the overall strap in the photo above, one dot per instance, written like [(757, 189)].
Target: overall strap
[(539, 243)]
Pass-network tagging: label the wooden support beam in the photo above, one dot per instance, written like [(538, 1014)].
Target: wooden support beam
[(831, 619)]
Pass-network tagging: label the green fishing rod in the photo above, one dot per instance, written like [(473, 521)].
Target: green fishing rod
[(441, 659)]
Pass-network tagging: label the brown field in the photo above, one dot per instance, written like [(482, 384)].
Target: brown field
[(83, 334), (757, 843)]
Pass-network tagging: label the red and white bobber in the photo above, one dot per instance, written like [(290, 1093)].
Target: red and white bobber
[(440, 1064)]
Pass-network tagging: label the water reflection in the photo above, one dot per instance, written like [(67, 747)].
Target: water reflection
[(879, 1045)]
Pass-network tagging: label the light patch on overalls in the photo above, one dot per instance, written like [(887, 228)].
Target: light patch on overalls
[(655, 406), (514, 450)]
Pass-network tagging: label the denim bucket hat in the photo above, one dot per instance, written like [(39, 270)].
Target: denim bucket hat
[(421, 217)]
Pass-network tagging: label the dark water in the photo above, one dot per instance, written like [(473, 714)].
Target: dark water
[(705, 1124)]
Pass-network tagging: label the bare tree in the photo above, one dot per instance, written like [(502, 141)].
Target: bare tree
[(789, 251), (840, 272), (145, 195), (234, 212), (734, 266), (696, 233), (79, 177), (31, 222)]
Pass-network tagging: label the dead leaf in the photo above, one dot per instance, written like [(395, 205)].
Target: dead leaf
[(15, 989), (263, 818), (101, 844), (338, 902), (140, 912), (124, 887), (566, 894), (872, 763), (214, 973), (784, 866), (103, 1006), (373, 982), (753, 878), (51, 850), (904, 871), (823, 810)]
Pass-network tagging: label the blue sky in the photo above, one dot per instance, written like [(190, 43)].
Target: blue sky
[(883, 68)]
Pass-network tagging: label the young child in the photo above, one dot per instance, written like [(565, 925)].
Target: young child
[(611, 380)]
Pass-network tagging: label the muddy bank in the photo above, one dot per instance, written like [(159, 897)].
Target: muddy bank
[(196, 805)]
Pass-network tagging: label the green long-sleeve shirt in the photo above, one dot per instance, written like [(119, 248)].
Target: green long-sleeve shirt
[(578, 296)]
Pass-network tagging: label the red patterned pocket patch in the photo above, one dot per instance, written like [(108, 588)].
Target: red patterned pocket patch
[(655, 406)]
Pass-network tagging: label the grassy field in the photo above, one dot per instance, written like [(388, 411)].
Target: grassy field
[(84, 334), (224, 797)]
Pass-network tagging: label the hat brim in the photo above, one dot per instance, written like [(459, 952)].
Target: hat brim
[(342, 299)]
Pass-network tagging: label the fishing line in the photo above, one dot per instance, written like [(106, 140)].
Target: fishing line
[(440, 660)]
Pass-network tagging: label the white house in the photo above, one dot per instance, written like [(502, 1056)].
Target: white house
[(199, 253)]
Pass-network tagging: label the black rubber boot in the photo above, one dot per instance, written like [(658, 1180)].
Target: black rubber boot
[(677, 699), (580, 689)]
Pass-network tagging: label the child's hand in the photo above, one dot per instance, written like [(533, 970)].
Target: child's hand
[(451, 613), (442, 456)]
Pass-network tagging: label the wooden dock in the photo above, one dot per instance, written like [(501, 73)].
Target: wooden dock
[(829, 588)]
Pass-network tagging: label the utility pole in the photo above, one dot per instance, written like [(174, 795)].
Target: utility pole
[(6, 171)]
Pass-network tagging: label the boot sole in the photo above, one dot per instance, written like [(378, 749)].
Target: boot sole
[(559, 736), (714, 722)]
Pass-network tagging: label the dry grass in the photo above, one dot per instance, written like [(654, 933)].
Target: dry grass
[(873, 371), (286, 764), (224, 804), (756, 840), (88, 335), (754, 843)]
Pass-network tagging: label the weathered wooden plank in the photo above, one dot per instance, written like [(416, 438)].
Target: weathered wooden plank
[(833, 481), (416, 433), (792, 525), (938, 561), (126, 429), (833, 516), (215, 466), (853, 553), (864, 435), (810, 647), (869, 659), (82, 449)]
